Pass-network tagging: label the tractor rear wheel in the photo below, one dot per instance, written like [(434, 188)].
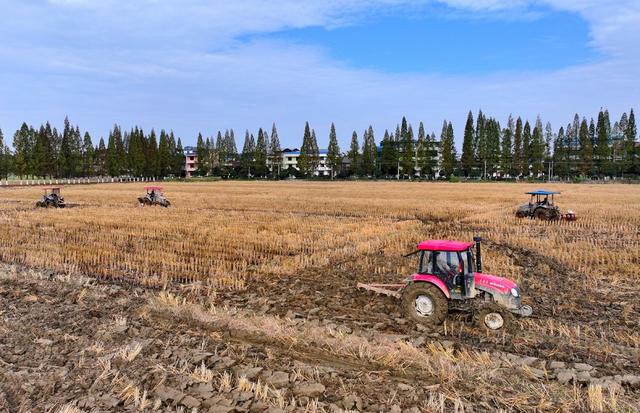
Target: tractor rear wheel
[(425, 304), (553, 214), (493, 318), (540, 214)]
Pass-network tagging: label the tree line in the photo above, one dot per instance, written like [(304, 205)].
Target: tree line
[(47, 153), (585, 147)]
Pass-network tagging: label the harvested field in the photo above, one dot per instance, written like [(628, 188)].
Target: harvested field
[(242, 294)]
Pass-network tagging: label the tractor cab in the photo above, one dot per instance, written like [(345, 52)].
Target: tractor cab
[(53, 192), (153, 192), (451, 262), (541, 197)]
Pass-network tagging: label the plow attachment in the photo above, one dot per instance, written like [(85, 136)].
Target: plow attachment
[(391, 290)]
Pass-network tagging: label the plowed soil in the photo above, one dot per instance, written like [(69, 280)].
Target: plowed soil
[(78, 343)]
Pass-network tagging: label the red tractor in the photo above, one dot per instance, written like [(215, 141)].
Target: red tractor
[(450, 277)]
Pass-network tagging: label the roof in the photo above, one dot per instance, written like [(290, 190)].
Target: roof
[(152, 188), (320, 152), (542, 192), (444, 245)]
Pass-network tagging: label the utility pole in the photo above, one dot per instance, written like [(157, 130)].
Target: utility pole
[(485, 169)]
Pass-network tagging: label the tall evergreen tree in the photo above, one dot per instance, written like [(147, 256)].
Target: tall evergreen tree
[(602, 150), (468, 157), (334, 157), (506, 148), (121, 153), (22, 148), (112, 161), (76, 153), (592, 133), (151, 155), (492, 147), (631, 162), (4, 157), (448, 149), (304, 160), (560, 155), (537, 150), (43, 157), (275, 151), (478, 140), (137, 149), (548, 140), (88, 155), (65, 158), (221, 154), (231, 145), (354, 155), (424, 155), (315, 152), (248, 154), (586, 149), (407, 148), (518, 153), (526, 149), (101, 158), (389, 157), (261, 154), (369, 153), (202, 152), (179, 158), (164, 154)]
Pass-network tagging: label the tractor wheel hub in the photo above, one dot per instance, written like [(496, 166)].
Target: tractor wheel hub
[(494, 321), (424, 306)]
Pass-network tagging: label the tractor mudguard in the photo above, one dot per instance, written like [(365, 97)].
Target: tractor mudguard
[(432, 279)]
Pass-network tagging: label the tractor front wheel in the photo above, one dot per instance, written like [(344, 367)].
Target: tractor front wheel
[(493, 318), (425, 304)]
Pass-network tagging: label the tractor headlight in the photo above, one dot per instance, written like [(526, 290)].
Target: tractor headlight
[(514, 292)]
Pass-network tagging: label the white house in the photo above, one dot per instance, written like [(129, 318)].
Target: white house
[(290, 159)]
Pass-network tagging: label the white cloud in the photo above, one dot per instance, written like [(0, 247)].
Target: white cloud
[(178, 64)]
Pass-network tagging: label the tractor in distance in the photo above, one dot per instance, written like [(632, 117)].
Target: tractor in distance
[(154, 196), (542, 208), (449, 277), (51, 199)]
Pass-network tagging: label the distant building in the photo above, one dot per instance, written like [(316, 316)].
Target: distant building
[(290, 160), (190, 161)]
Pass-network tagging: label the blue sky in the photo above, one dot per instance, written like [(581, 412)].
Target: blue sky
[(209, 65), (435, 42)]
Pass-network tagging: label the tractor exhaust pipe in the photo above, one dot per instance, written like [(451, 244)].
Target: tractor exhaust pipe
[(478, 240)]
